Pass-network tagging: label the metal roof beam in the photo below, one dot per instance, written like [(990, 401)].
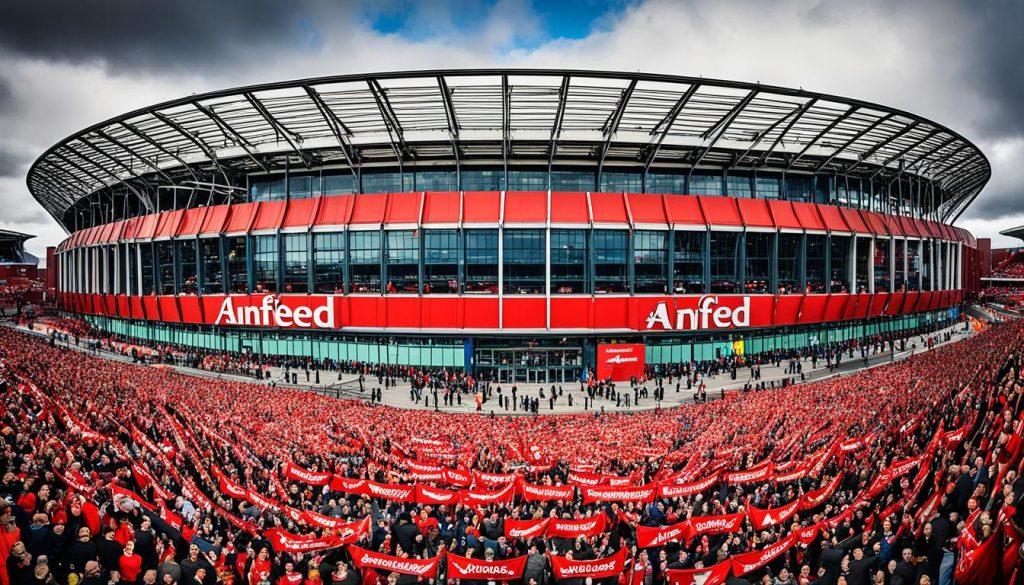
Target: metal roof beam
[(666, 122), (146, 199), (158, 146), (390, 119), (449, 112), (556, 127), (793, 115), (849, 112), (194, 140), (720, 127), (338, 128), (904, 151), (611, 126), (226, 128), (134, 153), (506, 120), (280, 128), (908, 128), (852, 139)]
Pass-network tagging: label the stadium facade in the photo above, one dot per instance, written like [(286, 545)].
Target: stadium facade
[(526, 224)]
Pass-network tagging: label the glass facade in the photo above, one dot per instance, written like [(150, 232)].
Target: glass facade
[(688, 262), (296, 263), (568, 262), (329, 262), (403, 261), (265, 259), (759, 254), (724, 259), (524, 252), (650, 261), (441, 261), (364, 261), (189, 268), (212, 267), (610, 250), (481, 261)]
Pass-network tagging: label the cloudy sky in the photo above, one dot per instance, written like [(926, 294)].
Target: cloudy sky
[(66, 64)]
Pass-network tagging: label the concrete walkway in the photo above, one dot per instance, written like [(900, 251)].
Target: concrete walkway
[(347, 386)]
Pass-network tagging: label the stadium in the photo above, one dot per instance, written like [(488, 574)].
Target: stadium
[(512, 222)]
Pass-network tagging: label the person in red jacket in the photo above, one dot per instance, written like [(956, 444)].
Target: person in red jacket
[(130, 563)]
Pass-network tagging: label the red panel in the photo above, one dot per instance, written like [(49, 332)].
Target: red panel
[(136, 309), (481, 207), (105, 235), (440, 312), (565, 208), (813, 309), (369, 209), (647, 208), (836, 307), (124, 306), (442, 207), (192, 221), (240, 218), (191, 312), (720, 211), (301, 213), (783, 215), (570, 313), (96, 301), (924, 303), (151, 307), (833, 218), (851, 308), (895, 303), (215, 219), (148, 228), (524, 313), (910, 301), (875, 223), (787, 309), (809, 216), (404, 208), (878, 301), (269, 215), (363, 312), (111, 302), (480, 312), (892, 224), (168, 225), (855, 221), (947, 232), (755, 213), (334, 210), (934, 304), (620, 361), (932, 227), (609, 208), (945, 299), (169, 309), (921, 227), (403, 311), (684, 210), (526, 207), (611, 312)]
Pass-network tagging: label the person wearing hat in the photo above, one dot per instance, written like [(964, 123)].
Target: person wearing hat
[(41, 574)]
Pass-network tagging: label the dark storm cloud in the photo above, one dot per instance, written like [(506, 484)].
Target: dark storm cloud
[(997, 61), (6, 94), (12, 163), (190, 35)]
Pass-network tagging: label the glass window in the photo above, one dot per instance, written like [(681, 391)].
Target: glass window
[(759, 262), (650, 261), (572, 181), (267, 189), (481, 261), (863, 257), (383, 183), (913, 265), (568, 261), (527, 181), (798, 188), (616, 182), (132, 266), (767, 187), (665, 183), (264, 263), (688, 262), (790, 249), (706, 184), (189, 269), (238, 273), (436, 181), (611, 250), (403, 262), (165, 267), (146, 261), (839, 261), (213, 274), (441, 261), (816, 247), (111, 262), (296, 263), (329, 262), (339, 184), (725, 262), (524, 261), (364, 261), (738, 185), (926, 265), (303, 187), (483, 180), (882, 264), (900, 247)]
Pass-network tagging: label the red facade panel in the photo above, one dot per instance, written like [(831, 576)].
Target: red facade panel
[(875, 223), (878, 301), (334, 211), (892, 224), (369, 209), (813, 309), (301, 213), (571, 312), (441, 313), (480, 312), (787, 309), (524, 313), (566, 207), (481, 207), (215, 220), (192, 222), (148, 228), (784, 215), (833, 219), (647, 208), (809, 216), (105, 234), (609, 208), (755, 213), (526, 207), (855, 221), (168, 224), (269, 216), (442, 207), (720, 211), (684, 210), (191, 311), (240, 218), (404, 208)]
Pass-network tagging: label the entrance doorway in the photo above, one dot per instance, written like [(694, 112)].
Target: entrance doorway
[(530, 365)]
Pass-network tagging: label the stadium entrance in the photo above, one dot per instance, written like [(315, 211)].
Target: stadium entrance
[(530, 364)]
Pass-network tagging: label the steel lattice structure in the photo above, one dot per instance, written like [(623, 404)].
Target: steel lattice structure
[(506, 117)]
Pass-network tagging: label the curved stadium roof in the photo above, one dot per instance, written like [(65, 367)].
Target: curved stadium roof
[(557, 117)]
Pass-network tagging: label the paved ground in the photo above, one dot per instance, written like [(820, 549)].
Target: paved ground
[(347, 385)]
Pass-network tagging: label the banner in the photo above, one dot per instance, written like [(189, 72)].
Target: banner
[(525, 529), (647, 537), (460, 567), (545, 493), (286, 542), (710, 525), (478, 498), (813, 499), (620, 361), (493, 479), (748, 562), (682, 490), (612, 566), (715, 575), (575, 528), (367, 559), (643, 494), (435, 496), (762, 519), (756, 474), (296, 473)]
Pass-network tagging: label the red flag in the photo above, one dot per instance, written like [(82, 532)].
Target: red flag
[(647, 537), (460, 567), (980, 565), (752, 561), (672, 490), (435, 496), (363, 559), (478, 498), (296, 473), (612, 566), (757, 474), (761, 519), (575, 528), (723, 524), (644, 494), (545, 493), (525, 529), (715, 575)]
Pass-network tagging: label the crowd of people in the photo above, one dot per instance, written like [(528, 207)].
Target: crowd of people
[(1010, 298), (905, 473), (1011, 267)]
